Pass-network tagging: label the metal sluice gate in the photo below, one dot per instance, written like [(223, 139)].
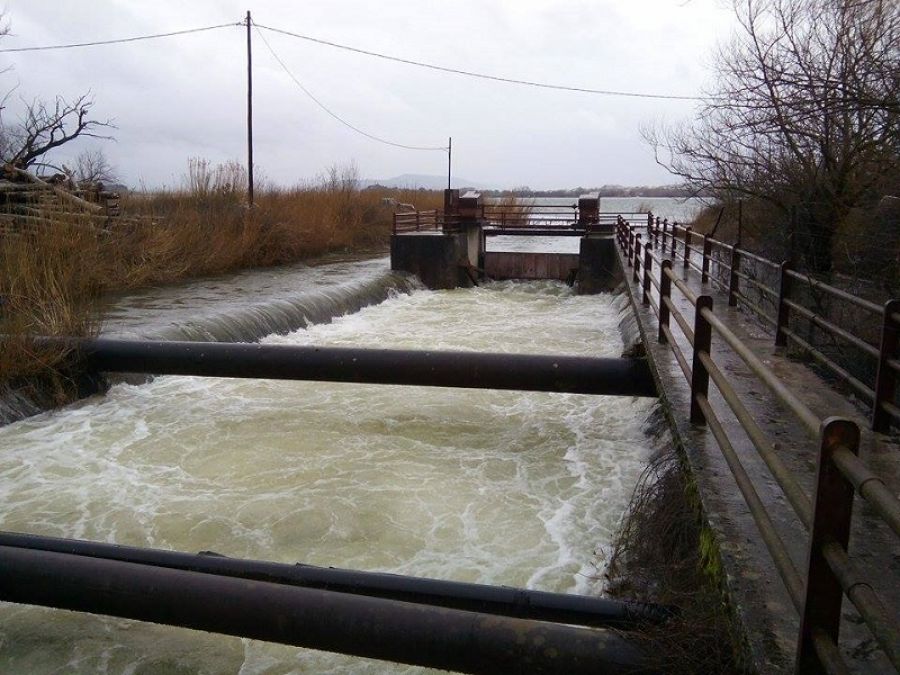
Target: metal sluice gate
[(412, 620)]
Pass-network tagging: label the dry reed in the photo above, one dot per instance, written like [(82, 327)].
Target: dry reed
[(662, 554), (52, 274)]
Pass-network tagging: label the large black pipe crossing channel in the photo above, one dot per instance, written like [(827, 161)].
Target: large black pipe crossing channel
[(441, 624), (500, 600), (364, 626), (479, 370)]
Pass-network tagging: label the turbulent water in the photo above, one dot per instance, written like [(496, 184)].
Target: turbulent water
[(515, 488)]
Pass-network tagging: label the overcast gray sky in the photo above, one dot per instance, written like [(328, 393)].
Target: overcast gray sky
[(184, 96)]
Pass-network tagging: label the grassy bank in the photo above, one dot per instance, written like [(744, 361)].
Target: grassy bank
[(53, 270), (664, 554)]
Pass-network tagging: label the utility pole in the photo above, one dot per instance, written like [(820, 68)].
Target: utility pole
[(249, 115), (449, 159)]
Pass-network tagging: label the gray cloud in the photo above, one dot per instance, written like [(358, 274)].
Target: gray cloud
[(184, 96)]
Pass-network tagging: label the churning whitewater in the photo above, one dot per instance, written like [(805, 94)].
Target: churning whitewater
[(513, 488)]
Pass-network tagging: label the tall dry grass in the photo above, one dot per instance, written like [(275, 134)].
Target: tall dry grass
[(205, 227), (516, 209), (49, 282), (51, 275)]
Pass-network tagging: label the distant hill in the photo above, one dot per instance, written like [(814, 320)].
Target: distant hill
[(414, 181)]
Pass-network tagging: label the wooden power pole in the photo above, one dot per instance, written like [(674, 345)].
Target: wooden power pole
[(249, 115), (449, 159)]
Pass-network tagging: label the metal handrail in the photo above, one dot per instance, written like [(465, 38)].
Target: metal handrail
[(832, 434), (786, 569), (870, 487), (758, 284), (789, 399), (860, 387), (837, 292), (729, 277), (792, 490), (832, 328), (747, 302), (682, 322), (758, 258)]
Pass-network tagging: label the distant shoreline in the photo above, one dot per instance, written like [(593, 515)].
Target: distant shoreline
[(661, 191)]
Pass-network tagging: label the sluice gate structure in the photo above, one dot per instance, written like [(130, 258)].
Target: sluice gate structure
[(448, 248)]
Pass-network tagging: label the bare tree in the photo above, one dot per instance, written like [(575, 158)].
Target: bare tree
[(805, 116), (92, 167), (44, 127)]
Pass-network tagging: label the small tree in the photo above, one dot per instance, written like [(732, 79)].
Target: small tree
[(92, 167), (805, 116)]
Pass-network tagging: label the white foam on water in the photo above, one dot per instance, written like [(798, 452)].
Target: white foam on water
[(516, 488)]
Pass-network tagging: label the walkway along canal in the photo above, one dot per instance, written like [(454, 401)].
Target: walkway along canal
[(799, 495)]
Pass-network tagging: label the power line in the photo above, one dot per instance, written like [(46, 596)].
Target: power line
[(483, 76), (118, 40), (329, 111), (365, 52)]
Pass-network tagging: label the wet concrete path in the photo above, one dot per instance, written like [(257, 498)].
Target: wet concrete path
[(761, 602)]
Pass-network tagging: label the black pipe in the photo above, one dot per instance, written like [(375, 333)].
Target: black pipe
[(500, 600), (350, 624), (528, 372)]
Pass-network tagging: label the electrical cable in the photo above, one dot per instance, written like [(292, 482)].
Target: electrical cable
[(333, 114), (357, 50), (118, 40), (483, 76)]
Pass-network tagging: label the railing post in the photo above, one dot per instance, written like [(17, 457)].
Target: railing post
[(674, 240), (886, 379), (784, 292), (687, 248), (707, 249), (649, 222), (733, 277), (630, 245), (665, 232), (832, 510), (656, 234), (637, 258), (702, 344), (665, 292), (648, 266)]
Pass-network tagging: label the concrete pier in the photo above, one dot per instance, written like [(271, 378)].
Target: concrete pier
[(599, 270), (439, 260)]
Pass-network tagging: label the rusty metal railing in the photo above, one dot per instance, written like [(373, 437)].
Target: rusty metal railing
[(720, 264), (432, 220), (816, 591), (516, 217)]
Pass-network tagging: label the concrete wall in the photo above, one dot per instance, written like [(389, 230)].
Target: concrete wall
[(474, 243), (510, 265), (599, 270), (433, 257)]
